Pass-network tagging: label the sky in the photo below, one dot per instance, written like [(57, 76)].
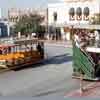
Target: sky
[(5, 4), (24, 3)]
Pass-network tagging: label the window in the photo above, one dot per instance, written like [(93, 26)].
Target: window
[(71, 13), (55, 16), (79, 13), (86, 12)]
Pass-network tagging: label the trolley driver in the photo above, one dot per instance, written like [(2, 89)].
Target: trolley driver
[(40, 48)]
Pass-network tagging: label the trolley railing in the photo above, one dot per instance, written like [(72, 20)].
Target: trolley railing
[(83, 63)]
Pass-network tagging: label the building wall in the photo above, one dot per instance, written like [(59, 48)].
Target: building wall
[(62, 10), (1, 13)]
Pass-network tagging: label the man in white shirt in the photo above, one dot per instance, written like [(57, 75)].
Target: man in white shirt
[(76, 39), (96, 37)]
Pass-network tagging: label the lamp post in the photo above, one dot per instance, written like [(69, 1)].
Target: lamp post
[(72, 26), (47, 26), (8, 29), (99, 12)]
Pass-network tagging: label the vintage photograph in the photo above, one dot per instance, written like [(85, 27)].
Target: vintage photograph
[(50, 48)]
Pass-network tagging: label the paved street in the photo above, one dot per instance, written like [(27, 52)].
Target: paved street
[(53, 77)]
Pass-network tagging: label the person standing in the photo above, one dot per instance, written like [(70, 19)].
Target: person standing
[(40, 48), (76, 39), (96, 38)]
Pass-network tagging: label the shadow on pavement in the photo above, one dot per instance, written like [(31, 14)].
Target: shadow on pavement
[(59, 59)]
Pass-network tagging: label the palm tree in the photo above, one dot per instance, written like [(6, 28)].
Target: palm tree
[(29, 24)]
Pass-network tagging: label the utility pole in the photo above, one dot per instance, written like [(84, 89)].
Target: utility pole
[(8, 29), (47, 27), (81, 84), (99, 12)]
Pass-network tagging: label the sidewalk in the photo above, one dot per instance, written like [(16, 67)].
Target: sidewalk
[(91, 90)]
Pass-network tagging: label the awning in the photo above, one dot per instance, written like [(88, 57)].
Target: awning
[(83, 26)]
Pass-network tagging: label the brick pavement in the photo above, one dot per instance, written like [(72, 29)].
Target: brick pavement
[(91, 90)]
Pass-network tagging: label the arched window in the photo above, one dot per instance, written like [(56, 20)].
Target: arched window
[(55, 16), (79, 13), (71, 13), (86, 13)]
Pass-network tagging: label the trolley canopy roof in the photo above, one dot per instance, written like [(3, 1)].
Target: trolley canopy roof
[(78, 25), (7, 45), (20, 41), (27, 41), (93, 49)]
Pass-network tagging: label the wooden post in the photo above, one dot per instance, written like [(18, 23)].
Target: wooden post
[(81, 84)]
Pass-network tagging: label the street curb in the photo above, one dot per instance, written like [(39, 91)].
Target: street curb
[(60, 45)]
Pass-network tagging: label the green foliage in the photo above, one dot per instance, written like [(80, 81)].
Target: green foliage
[(29, 24), (95, 19)]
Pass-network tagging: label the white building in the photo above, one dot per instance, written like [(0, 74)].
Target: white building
[(1, 13), (72, 12)]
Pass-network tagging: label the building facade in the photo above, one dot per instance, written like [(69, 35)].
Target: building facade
[(72, 12)]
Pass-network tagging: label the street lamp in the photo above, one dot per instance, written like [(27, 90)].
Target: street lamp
[(8, 28)]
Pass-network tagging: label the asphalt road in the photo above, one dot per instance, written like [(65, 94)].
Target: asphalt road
[(51, 78)]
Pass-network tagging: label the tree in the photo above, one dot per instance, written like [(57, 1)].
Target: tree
[(41, 31), (95, 19), (29, 24)]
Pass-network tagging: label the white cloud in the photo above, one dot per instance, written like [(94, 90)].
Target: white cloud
[(54, 0)]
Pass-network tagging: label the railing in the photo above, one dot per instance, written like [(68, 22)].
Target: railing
[(83, 62)]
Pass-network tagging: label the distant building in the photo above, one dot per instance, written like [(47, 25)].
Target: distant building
[(4, 25), (14, 13), (4, 29), (72, 12)]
